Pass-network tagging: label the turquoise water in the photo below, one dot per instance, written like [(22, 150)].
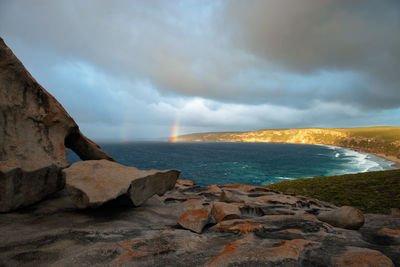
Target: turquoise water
[(244, 163)]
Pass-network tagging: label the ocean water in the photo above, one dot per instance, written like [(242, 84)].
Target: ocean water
[(243, 163)]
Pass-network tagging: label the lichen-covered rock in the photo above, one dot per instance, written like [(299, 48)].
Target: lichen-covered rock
[(344, 217), (92, 183), (34, 132), (355, 256), (195, 219), (269, 233)]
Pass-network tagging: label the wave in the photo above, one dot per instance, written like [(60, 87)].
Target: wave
[(355, 161), (284, 178)]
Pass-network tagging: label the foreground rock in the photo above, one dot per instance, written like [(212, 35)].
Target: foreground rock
[(273, 230), (34, 132), (92, 183), (344, 217)]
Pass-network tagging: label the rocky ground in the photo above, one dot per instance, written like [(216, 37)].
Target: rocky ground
[(230, 226)]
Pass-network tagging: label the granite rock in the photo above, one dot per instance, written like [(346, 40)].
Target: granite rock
[(285, 232), (343, 217), (93, 183), (34, 132)]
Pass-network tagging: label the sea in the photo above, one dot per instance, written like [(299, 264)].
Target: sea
[(242, 163)]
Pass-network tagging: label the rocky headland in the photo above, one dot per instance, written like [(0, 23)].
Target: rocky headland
[(100, 213), (382, 141)]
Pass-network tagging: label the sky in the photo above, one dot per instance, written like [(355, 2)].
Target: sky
[(130, 69)]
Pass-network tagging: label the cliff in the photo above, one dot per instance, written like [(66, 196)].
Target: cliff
[(384, 141)]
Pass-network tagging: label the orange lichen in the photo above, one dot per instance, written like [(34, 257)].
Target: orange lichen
[(229, 249), (292, 248), (213, 188), (294, 231), (194, 215), (390, 232), (366, 258), (241, 226)]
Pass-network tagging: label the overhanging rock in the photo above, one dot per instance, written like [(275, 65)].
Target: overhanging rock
[(34, 133)]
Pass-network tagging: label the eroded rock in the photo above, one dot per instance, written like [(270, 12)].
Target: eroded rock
[(355, 256), (34, 132), (92, 183), (269, 233), (195, 219), (224, 211), (343, 217)]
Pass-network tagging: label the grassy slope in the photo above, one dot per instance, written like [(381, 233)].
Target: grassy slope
[(371, 192)]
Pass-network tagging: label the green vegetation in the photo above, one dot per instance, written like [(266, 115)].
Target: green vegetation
[(371, 192)]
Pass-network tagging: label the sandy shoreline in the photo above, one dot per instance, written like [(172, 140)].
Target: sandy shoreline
[(396, 161), (393, 159)]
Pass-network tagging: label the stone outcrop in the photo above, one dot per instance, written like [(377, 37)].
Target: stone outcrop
[(273, 230), (93, 183), (344, 217), (34, 133)]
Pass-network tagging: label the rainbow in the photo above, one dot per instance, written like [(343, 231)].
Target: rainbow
[(174, 132)]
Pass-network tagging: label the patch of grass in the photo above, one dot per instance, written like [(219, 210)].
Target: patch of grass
[(371, 192)]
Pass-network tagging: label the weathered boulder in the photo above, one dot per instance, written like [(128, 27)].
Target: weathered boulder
[(92, 183), (195, 219), (224, 211), (344, 217), (34, 133), (355, 256), (230, 197)]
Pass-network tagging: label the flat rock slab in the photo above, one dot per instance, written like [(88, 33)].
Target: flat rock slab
[(92, 183), (272, 231)]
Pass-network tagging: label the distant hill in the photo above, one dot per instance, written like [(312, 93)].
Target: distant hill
[(382, 141)]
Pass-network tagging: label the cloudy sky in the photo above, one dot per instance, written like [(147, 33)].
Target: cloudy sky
[(128, 69)]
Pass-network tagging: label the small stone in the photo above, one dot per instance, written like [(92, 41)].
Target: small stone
[(196, 219), (223, 211), (345, 217)]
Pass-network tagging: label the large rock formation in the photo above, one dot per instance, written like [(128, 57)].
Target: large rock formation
[(92, 183), (271, 229), (34, 132)]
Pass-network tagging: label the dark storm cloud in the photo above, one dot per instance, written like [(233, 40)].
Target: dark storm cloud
[(308, 36), (222, 65)]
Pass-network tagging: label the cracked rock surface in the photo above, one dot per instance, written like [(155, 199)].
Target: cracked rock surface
[(272, 229)]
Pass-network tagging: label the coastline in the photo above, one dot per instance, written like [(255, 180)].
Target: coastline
[(396, 161)]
